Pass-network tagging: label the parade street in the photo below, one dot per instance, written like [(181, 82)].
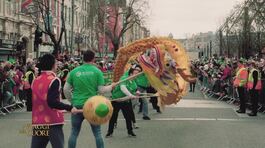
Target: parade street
[(195, 122), (113, 73)]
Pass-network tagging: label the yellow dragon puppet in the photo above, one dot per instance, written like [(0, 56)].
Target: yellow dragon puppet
[(164, 62)]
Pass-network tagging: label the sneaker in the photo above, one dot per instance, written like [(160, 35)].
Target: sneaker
[(135, 126), (252, 114), (131, 134), (241, 111), (158, 111), (109, 135), (146, 118), (262, 109)]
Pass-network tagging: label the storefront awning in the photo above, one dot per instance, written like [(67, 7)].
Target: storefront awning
[(110, 55), (6, 51)]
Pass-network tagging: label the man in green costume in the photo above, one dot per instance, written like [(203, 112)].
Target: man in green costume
[(127, 88)]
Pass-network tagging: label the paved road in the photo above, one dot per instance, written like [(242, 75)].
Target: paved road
[(195, 122)]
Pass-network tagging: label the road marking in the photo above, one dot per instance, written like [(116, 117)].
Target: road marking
[(188, 98), (173, 119), (204, 119), (200, 104)]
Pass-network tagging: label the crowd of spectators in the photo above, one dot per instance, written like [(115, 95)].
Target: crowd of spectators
[(216, 76), (13, 78)]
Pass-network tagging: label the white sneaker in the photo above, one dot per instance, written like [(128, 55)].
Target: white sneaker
[(135, 126)]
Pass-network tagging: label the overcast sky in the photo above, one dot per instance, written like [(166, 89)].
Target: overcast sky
[(185, 17)]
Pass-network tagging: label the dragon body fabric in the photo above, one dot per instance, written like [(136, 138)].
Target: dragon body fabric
[(164, 62)]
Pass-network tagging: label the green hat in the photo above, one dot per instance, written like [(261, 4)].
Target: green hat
[(242, 60), (12, 61)]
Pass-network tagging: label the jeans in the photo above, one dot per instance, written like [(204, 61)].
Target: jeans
[(153, 100), (127, 111), (145, 107), (54, 135), (205, 82), (242, 98), (144, 102), (76, 121), (192, 86), (29, 99), (254, 94)]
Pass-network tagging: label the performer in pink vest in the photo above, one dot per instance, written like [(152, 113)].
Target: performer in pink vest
[(47, 118)]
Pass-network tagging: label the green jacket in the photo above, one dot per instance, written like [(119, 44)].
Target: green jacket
[(130, 85)]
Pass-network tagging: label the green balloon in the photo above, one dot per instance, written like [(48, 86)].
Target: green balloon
[(102, 110)]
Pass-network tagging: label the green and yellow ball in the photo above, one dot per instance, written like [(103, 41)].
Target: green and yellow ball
[(97, 110)]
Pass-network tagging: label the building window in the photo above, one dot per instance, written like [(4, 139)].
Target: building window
[(1, 35), (69, 15), (76, 19), (16, 10), (54, 8), (65, 14), (84, 21), (8, 7), (85, 5), (1, 6), (69, 37), (57, 7)]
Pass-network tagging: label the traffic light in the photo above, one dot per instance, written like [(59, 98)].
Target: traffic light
[(1, 42), (38, 39), (19, 46)]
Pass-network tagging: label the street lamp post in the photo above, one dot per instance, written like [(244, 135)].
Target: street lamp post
[(72, 27), (105, 44), (211, 48)]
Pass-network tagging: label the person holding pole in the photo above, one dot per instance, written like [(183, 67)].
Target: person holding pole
[(47, 119), (125, 89), (84, 82), (143, 84)]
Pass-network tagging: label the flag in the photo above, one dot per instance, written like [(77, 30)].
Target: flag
[(48, 20), (25, 4)]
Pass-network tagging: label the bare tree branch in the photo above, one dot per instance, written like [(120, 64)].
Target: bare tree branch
[(63, 23), (41, 18)]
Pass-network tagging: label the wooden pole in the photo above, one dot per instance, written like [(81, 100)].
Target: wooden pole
[(130, 78)]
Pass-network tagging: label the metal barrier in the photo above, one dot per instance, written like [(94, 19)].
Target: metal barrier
[(5, 105), (226, 90), (108, 76)]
